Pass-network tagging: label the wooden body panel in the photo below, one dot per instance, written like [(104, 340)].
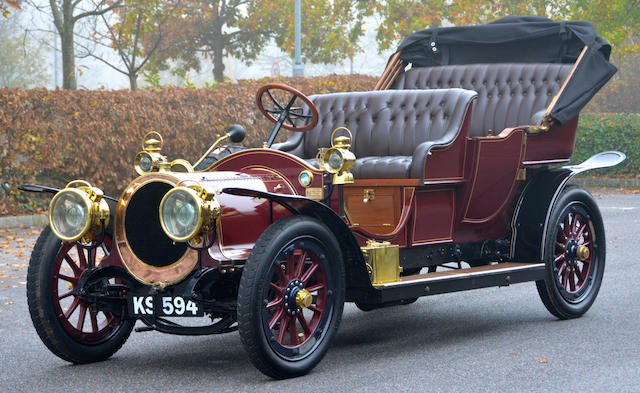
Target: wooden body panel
[(447, 165), (553, 146)]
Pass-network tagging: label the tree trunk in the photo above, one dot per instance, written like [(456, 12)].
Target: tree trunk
[(218, 64), (133, 81), (68, 58)]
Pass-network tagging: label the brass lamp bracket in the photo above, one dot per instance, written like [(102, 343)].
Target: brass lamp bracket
[(338, 159), (545, 125)]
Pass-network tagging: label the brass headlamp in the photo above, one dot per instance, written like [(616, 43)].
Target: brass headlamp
[(78, 212), (338, 159), (150, 159), (188, 212)]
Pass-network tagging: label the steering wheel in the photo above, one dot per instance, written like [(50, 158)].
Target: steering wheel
[(285, 105)]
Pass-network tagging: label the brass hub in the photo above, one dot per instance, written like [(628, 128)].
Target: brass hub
[(582, 253), (304, 298)]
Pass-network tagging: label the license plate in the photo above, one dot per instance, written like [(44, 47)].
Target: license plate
[(170, 306)]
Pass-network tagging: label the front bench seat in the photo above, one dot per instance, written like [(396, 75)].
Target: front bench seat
[(393, 130)]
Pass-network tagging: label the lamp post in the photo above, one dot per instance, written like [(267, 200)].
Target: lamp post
[(298, 68)]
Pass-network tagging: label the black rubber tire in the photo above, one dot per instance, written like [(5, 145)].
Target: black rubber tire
[(252, 290), (45, 321), (572, 199)]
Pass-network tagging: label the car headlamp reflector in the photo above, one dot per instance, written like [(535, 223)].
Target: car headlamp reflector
[(334, 161), (186, 213), (180, 214), (76, 212)]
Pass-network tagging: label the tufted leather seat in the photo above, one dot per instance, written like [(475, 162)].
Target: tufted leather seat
[(509, 94), (393, 130)]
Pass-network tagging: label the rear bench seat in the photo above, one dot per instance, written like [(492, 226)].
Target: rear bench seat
[(509, 94), (393, 130)]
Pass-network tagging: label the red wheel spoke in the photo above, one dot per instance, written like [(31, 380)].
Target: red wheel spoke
[(274, 302), (72, 280), (314, 308), (72, 264), (293, 332), (580, 274), (283, 329), (81, 316), (72, 308), (276, 288), (281, 276), (305, 325), (559, 258), (301, 263), (316, 287), (94, 320), (307, 275), (561, 246), (275, 318), (580, 230), (82, 257), (586, 244), (567, 225), (289, 272), (561, 269), (565, 280), (572, 282), (574, 224), (65, 295)]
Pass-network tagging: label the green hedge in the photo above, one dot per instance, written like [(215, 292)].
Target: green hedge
[(610, 131)]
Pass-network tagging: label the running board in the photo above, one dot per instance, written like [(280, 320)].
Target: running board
[(501, 274)]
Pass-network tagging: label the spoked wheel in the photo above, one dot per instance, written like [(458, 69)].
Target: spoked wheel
[(574, 255), (291, 297), (70, 326)]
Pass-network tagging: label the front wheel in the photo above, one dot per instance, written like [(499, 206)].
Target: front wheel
[(291, 297), (574, 255), (69, 325)]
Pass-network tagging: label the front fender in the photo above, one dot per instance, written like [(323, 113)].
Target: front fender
[(355, 268), (533, 210)]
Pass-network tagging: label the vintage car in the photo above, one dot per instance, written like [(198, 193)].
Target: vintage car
[(447, 177)]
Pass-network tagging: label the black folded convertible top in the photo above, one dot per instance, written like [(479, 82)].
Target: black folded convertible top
[(517, 39)]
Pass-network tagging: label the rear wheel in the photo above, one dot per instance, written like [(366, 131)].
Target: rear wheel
[(70, 326), (574, 255), (291, 297)]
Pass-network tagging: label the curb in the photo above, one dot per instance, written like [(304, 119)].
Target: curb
[(36, 220), (606, 182)]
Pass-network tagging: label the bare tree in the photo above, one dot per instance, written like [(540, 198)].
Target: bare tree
[(136, 31), (66, 13)]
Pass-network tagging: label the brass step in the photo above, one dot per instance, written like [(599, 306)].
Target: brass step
[(462, 274)]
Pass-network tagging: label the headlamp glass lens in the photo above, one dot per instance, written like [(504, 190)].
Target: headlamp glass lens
[(146, 163), (335, 160), (180, 213), (69, 215)]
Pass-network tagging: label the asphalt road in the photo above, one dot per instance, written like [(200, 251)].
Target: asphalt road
[(494, 340)]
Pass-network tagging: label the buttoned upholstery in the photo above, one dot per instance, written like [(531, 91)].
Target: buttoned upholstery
[(392, 130), (509, 94)]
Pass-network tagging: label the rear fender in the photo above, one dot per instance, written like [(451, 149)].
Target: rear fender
[(531, 217), (355, 267)]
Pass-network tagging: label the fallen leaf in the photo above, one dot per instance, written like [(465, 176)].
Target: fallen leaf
[(543, 361), (10, 302)]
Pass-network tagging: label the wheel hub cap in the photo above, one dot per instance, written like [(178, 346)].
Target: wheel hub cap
[(294, 291), (304, 298), (582, 253)]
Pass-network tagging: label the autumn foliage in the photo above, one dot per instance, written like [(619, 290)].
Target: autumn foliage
[(52, 137)]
